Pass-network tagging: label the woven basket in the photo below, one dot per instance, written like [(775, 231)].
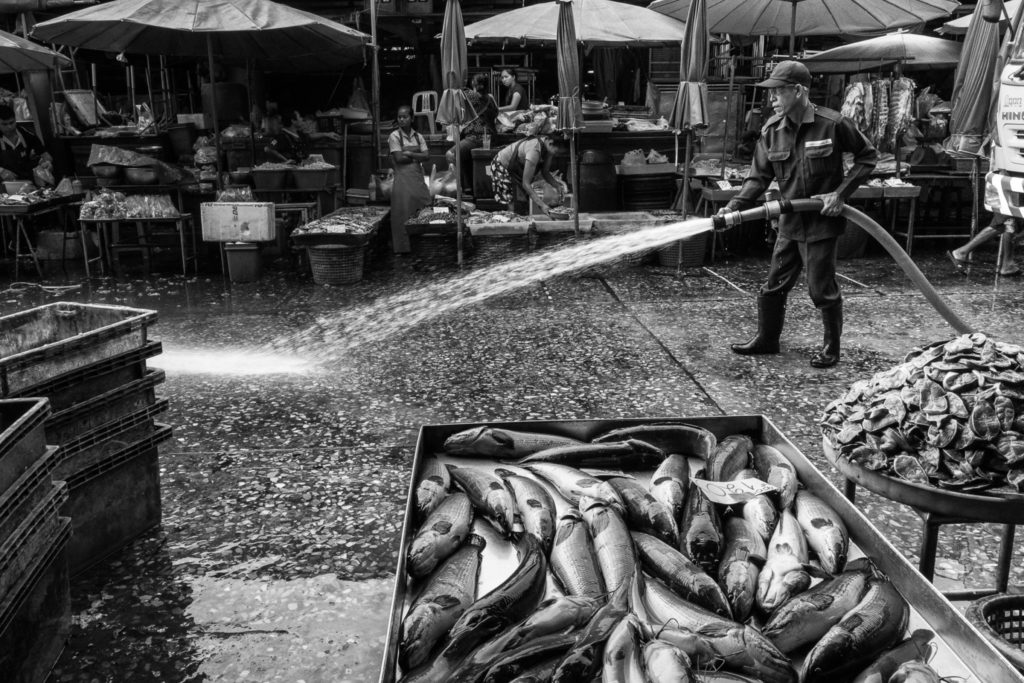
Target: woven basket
[(438, 251), (690, 251), (1001, 619), (336, 264)]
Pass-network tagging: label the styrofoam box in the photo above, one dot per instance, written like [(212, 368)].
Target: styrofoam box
[(238, 221)]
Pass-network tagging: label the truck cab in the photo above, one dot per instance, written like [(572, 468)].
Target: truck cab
[(1004, 186)]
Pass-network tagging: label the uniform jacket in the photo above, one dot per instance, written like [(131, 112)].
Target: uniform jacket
[(22, 156), (807, 159)]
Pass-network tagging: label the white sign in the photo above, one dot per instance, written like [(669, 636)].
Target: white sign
[(732, 492)]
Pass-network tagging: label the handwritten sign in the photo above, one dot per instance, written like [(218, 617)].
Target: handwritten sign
[(732, 492)]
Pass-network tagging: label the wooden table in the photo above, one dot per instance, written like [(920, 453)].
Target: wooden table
[(15, 215), (113, 233)]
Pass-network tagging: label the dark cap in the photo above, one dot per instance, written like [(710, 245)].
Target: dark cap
[(787, 73)]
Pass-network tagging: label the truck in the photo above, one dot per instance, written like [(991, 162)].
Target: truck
[(1004, 183)]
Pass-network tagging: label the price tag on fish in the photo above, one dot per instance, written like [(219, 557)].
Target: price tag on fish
[(732, 492)]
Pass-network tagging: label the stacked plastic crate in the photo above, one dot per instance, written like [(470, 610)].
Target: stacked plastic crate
[(35, 607), (90, 362)]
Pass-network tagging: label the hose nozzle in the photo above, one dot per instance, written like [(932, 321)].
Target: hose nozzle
[(767, 211)]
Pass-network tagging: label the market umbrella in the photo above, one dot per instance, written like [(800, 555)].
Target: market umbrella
[(909, 51), (597, 22), (570, 114), (959, 25), (809, 17), (451, 109), (690, 109), (18, 54), (972, 84)]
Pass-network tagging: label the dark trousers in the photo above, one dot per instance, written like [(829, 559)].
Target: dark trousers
[(790, 256)]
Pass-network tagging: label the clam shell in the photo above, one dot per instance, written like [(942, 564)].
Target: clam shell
[(909, 469), (1005, 412), (983, 421)]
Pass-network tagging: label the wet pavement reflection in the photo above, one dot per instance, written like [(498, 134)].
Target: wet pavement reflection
[(284, 486)]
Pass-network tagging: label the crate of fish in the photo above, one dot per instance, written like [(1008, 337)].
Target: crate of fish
[(704, 548)]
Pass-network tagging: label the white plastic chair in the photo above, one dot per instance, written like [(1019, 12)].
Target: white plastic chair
[(424, 103)]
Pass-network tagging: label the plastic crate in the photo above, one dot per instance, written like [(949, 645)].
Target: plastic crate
[(17, 503), (81, 418), (79, 385), (113, 501), (336, 264), (41, 343), (22, 441), (29, 538), (35, 618), (106, 441)]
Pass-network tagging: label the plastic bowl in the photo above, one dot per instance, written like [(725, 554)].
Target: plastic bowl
[(140, 175), (106, 170), (15, 186)]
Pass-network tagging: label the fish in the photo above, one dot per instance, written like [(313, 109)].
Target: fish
[(881, 670), (631, 454), (670, 483), (825, 532), (612, 543), (446, 595), (440, 535), (804, 619), (644, 512), (701, 654), (664, 607), (432, 486), (876, 623), (731, 455), (572, 483), (622, 661), (665, 663), (786, 572), (583, 661), (744, 555), (700, 534), (915, 672), (681, 438), (760, 511), (557, 615), (573, 559), (535, 505), (514, 662), (681, 575), (744, 650), (773, 467), (489, 496), (499, 443), (539, 672)]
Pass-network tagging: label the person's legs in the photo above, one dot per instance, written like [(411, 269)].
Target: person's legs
[(823, 288), (771, 300), (1007, 262)]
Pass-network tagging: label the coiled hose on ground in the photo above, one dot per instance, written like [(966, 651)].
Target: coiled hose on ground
[(773, 209)]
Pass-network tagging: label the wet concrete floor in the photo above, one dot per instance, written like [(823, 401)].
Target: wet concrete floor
[(284, 486)]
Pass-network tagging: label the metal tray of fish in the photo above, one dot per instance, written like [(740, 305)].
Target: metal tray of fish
[(957, 649)]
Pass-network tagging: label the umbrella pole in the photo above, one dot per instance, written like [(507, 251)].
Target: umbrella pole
[(574, 171), (792, 30), (458, 191), (149, 90), (728, 107), (213, 107)]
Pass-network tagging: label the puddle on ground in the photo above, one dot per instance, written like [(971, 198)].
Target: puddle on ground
[(234, 362)]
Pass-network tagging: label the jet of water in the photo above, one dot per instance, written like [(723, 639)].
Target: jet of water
[(336, 335)]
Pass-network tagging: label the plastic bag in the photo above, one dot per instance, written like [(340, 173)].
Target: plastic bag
[(634, 157), (43, 177), (442, 183), (656, 157), (381, 185), (358, 98)]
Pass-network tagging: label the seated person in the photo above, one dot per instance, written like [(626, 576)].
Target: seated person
[(283, 145), (21, 152)]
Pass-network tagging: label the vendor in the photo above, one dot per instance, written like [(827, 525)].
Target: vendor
[(21, 152), (515, 98), (408, 149), (515, 166), (484, 111), (283, 145)]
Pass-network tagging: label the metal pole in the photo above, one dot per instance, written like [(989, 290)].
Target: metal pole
[(375, 91), (458, 190), (575, 177), (792, 30), (213, 107)]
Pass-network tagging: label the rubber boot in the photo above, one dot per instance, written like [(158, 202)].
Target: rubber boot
[(832, 318), (771, 313)]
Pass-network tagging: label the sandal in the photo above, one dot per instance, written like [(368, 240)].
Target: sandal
[(958, 263)]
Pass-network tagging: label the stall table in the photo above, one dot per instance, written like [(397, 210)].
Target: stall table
[(114, 233), (14, 216)]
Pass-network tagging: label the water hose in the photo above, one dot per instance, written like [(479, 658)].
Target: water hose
[(773, 209)]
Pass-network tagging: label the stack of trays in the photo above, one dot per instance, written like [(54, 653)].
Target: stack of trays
[(90, 361), (35, 606)]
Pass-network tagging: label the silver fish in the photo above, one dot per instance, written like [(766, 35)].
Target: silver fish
[(572, 483), (644, 512), (700, 534), (535, 505), (497, 442), (557, 615), (881, 670), (915, 672), (631, 454), (665, 663), (684, 577), (826, 534), (664, 607), (773, 467), (622, 654), (670, 482), (441, 534), (760, 511), (612, 544), (786, 572), (446, 595), (583, 661), (573, 560), (432, 486), (680, 437), (741, 563), (746, 651), (697, 648), (730, 456), (489, 496)]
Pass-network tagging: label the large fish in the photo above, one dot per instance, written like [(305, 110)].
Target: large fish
[(573, 560), (539, 672), (679, 438), (874, 625), (496, 442), (744, 555), (786, 572), (644, 512), (744, 650), (441, 534), (535, 505), (697, 648), (557, 615), (612, 543), (680, 574), (446, 595), (731, 455), (808, 616), (665, 663), (826, 534), (583, 661), (773, 467), (759, 511), (489, 496), (670, 482), (664, 607), (572, 483), (514, 662), (623, 654), (915, 672), (882, 669), (631, 454), (432, 486), (700, 534)]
